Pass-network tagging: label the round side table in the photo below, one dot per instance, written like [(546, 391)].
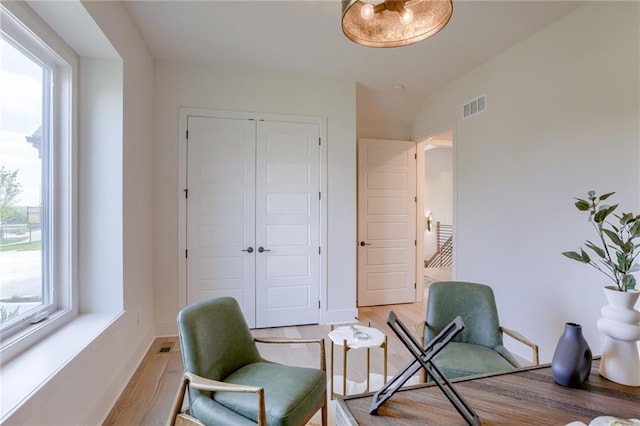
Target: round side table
[(344, 336)]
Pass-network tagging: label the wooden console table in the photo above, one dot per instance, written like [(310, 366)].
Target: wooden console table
[(526, 396)]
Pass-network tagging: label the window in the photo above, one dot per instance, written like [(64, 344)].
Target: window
[(36, 166)]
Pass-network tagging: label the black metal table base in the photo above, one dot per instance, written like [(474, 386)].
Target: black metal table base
[(422, 359)]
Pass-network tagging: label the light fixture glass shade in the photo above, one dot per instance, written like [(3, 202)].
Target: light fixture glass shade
[(393, 23)]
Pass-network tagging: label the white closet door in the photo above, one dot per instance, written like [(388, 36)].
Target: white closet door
[(287, 223), (221, 211)]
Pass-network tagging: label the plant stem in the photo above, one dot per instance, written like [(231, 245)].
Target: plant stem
[(599, 227)]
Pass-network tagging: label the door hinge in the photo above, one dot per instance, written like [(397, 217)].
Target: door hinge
[(319, 250), (187, 135), (318, 304), (415, 285), (186, 193), (319, 141), (186, 254), (415, 156), (415, 243), (319, 195), (415, 199)]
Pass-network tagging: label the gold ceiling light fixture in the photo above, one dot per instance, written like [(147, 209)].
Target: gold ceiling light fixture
[(393, 23)]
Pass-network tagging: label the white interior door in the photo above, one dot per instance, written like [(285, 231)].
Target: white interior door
[(386, 222), (287, 223), (221, 211)]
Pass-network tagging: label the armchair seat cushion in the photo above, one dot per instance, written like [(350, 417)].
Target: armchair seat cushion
[(210, 412), (464, 359), (290, 392)]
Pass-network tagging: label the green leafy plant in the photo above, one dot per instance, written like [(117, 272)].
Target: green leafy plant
[(616, 253)]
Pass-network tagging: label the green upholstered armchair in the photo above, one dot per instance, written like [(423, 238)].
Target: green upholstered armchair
[(479, 348), (229, 383)]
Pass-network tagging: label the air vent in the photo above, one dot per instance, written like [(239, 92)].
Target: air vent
[(474, 107)]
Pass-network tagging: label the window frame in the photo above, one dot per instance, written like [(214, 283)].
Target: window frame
[(27, 32)]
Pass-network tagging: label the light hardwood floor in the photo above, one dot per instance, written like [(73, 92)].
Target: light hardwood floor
[(148, 398)]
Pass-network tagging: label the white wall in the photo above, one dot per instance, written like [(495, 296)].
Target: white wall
[(394, 122), (128, 340), (114, 209), (100, 116), (182, 85), (562, 118)]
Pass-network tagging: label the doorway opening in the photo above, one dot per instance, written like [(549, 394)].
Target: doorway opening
[(435, 208)]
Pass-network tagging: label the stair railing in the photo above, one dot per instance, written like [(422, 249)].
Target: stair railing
[(443, 256)]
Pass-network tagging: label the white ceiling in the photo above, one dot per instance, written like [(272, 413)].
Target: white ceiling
[(305, 37)]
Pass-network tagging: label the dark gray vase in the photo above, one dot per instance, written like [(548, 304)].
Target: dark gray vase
[(571, 363)]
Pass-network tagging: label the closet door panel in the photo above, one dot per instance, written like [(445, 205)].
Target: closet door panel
[(287, 223), (221, 211)]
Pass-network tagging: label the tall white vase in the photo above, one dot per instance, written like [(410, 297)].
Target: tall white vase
[(620, 324)]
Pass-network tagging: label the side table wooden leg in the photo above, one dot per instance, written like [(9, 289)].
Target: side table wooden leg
[(368, 367), (333, 395), (384, 367), (344, 367)]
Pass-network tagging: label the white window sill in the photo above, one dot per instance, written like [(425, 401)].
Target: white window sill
[(21, 377)]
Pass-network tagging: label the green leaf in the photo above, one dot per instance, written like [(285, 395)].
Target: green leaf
[(605, 196), (573, 255), (625, 218), (599, 251), (628, 247), (603, 212), (623, 263), (582, 205), (613, 237), (628, 282), (635, 229), (585, 256)]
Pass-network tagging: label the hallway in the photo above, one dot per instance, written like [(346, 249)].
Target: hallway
[(436, 274)]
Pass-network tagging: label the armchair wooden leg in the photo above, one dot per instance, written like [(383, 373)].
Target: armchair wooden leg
[(325, 414), (177, 403)]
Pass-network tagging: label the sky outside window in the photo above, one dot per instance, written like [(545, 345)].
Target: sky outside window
[(20, 116)]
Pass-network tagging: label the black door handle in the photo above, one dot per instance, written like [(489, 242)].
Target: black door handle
[(262, 249), (249, 250), (362, 244)]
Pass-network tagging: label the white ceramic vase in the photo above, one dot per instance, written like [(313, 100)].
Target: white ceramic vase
[(620, 324)]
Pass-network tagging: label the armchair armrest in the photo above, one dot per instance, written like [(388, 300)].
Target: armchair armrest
[(201, 383), (520, 338), (282, 340), (419, 328)]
